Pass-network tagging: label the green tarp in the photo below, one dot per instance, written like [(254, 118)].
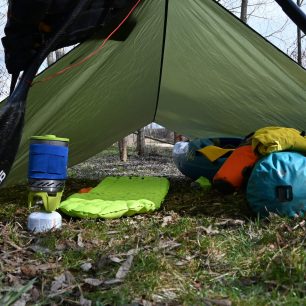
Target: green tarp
[(115, 197), (188, 65)]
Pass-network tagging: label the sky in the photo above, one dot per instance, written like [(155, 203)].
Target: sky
[(265, 16), (268, 19)]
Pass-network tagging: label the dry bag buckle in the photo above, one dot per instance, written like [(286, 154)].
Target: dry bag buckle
[(284, 193)]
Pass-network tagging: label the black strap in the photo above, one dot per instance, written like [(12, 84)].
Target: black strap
[(14, 81)]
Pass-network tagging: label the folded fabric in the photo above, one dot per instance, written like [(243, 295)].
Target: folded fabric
[(273, 138), (212, 153), (115, 197), (233, 174)]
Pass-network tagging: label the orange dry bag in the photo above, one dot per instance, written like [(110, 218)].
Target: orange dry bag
[(233, 173)]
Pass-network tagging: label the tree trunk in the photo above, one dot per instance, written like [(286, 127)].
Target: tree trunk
[(140, 142), (50, 59), (122, 144), (299, 40), (244, 11), (59, 53), (55, 56)]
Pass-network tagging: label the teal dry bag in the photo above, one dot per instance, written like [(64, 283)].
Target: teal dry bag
[(278, 184)]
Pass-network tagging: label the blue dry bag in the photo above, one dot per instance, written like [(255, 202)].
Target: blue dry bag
[(278, 184)]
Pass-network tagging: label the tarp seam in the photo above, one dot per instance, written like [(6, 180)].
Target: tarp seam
[(162, 58)]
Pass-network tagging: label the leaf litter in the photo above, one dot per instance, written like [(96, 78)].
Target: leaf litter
[(191, 245)]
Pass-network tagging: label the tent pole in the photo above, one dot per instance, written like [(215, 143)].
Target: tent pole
[(294, 12)]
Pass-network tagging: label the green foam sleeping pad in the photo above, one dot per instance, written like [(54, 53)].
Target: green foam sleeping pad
[(115, 197)]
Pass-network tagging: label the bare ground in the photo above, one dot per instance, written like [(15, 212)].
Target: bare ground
[(157, 162)]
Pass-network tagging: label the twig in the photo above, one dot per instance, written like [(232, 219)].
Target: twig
[(59, 292)]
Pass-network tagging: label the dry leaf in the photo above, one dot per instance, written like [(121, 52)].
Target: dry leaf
[(132, 252), (47, 266), (11, 263), (163, 296), (301, 224), (58, 283), (34, 294), (101, 262), (229, 222), (208, 230), (13, 280), (29, 270), (69, 278), (85, 302), (115, 259), (113, 281), (86, 266), (23, 300), (125, 267), (32, 270), (62, 281), (39, 249), (189, 258), (181, 263), (80, 241), (167, 220), (169, 244), (112, 232), (93, 282), (95, 241)]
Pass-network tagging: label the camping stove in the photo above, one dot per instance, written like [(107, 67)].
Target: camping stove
[(47, 170)]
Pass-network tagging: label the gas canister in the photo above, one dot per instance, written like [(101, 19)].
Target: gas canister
[(47, 171)]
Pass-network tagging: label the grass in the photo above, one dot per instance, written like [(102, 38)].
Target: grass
[(201, 248)]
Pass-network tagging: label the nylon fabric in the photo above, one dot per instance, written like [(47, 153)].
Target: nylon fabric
[(273, 138), (104, 99), (219, 78), (48, 162), (274, 172), (96, 208), (115, 197), (212, 153)]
